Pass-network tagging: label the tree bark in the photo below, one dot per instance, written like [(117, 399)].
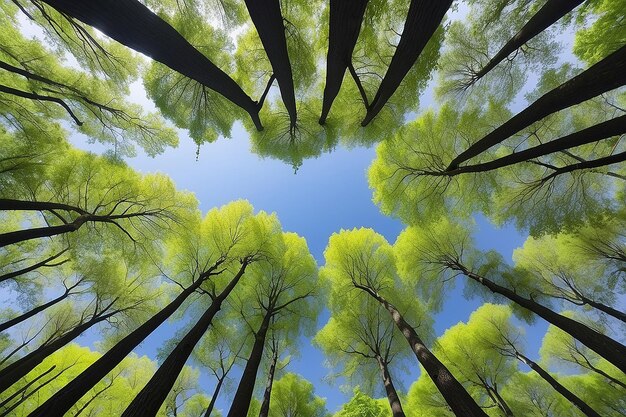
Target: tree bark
[(502, 405), (268, 21), (10, 323), (132, 24), (422, 20), (605, 309), (37, 265), (344, 25), (11, 238), (62, 401), (243, 396), (153, 394), (606, 75), (18, 369), (610, 128), (392, 395), (267, 394), (550, 13), (216, 392), (570, 396), (604, 346), (25, 387), (460, 402)]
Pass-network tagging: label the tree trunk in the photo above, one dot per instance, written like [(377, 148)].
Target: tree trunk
[(7, 204), (20, 368), (604, 346), (573, 398), (8, 410), (10, 323), (460, 402), (153, 394), (134, 25), (550, 13), (606, 75), (502, 405), (605, 309), (268, 21), (39, 232), (37, 265), (62, 401), (267, 395), (392, 395), (25, 387), (422, 20), (216, 392), (344, 25), (243, 396), (610, 128)]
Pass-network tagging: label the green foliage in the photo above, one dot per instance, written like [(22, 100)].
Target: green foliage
[(294, 396), (360, 405)]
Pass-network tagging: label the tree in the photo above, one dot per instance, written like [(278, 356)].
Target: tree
[(363, 260), (362, 405), (293, 395), (279, 296), (447, 247)]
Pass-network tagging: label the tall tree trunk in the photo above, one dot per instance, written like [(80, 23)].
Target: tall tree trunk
[(18, 369), (604, 346), (8, 410), (8, 204), (550, 13), (134, 25), (268, 21), (606, 75), (243, 396), (153, 394), (62, 401), (502, 405), (39, 232), (605, 309), (25, 387), (422, 20), (460, 402), (40, 264), (573, 398), (392, 395), (344, 25), (10, 323), (267, 394), (610, 128), (216, 392)]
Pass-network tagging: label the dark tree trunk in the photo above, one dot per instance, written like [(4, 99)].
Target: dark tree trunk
[(497, 398), (392, 395), (268, 21), (37, 265), (549, 14), (573, 398), (25, 387), (345, 21), (605, 309), (243, 396), (10, 323), (606, 75), (134, 25), (8, 410), (610, 128), (7, 204), (216, 392), (153, 394), (604, 346), (62, 401), (460, 402), (267, 395), (422, 20), (39, 232), (18, 369)]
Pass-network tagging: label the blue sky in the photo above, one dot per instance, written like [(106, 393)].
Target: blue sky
[(327, 194)]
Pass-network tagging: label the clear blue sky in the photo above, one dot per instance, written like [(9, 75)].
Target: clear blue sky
[(327, 194)]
